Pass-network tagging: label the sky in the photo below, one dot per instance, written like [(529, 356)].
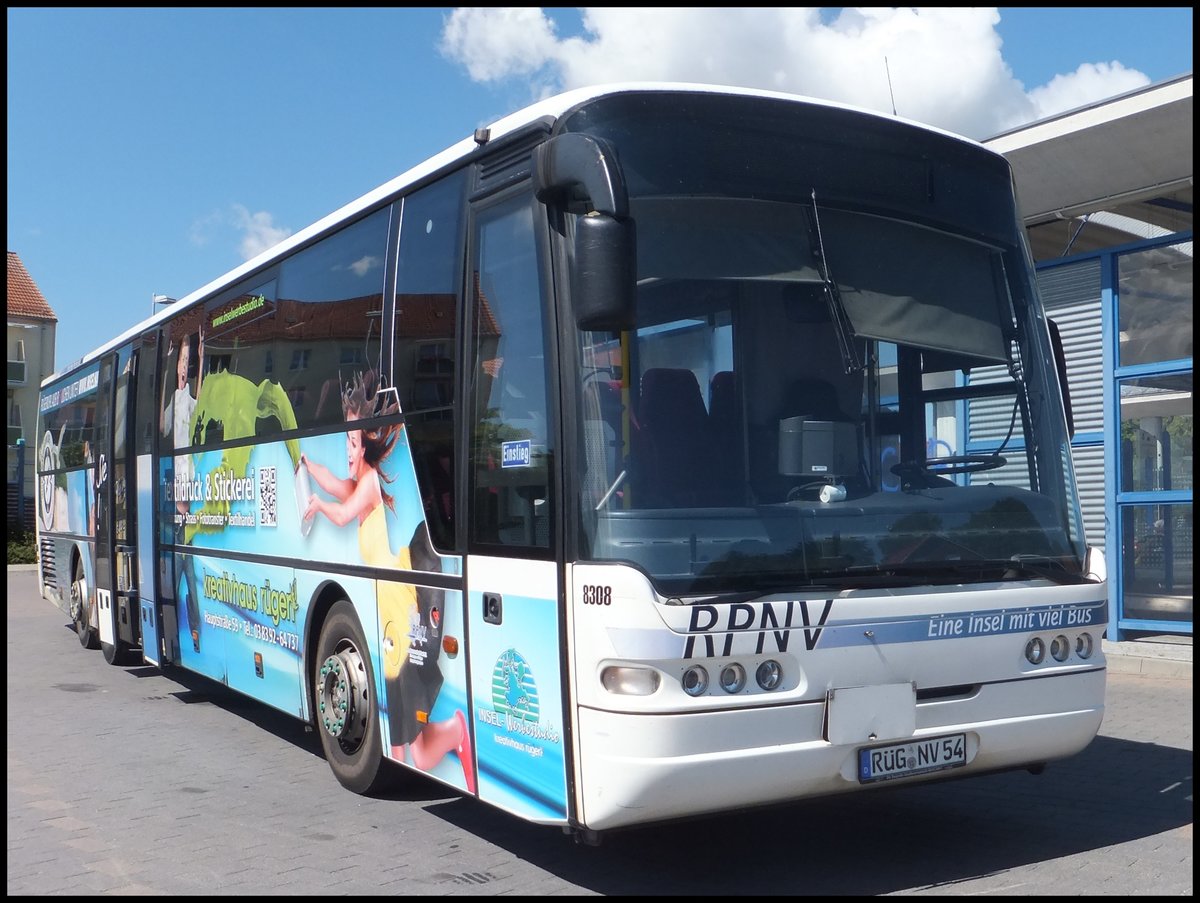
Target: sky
[(152, 151)]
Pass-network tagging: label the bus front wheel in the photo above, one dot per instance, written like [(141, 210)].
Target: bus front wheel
[(347, 718), (88, 637)]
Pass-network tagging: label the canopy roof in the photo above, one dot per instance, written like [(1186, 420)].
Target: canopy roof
[(1106, 174)]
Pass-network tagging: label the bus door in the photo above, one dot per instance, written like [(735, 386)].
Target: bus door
[(512, 578), (142, 419), (116, 597)]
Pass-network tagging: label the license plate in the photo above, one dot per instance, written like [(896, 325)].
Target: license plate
[(902, 760)]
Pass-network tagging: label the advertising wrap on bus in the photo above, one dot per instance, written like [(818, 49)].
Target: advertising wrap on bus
[(658, 452), (66, 494), (243, 622), (253, 497)]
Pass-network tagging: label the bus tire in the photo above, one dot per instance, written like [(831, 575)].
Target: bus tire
[(118, 653), (344, 707), (88, 637)]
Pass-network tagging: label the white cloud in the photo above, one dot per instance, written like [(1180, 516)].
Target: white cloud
[(365, 265), (202, 229), (946, 67), (1088, 83), (499, 43), (259, 232)]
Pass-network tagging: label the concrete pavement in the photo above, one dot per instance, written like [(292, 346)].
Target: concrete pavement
[(123, 780)]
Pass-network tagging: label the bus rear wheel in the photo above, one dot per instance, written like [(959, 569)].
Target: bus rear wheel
[(347, 717), (88, 637)]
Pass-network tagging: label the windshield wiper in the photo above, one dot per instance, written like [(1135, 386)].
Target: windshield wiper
[(913, 574), (979, 568), (1044, 566), (837, 310)]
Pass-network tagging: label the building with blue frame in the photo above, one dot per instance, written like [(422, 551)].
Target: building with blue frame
[(1106, 194)]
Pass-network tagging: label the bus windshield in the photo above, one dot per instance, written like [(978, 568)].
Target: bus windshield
[(829, 382)]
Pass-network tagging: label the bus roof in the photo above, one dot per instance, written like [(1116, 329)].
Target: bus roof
[(549, 108)]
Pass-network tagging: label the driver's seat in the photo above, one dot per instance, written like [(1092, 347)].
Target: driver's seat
[(676, 463)]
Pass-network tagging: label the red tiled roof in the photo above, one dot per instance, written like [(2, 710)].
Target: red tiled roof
[(24, 297)]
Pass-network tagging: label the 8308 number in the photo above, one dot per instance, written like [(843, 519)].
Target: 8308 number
[(596, 594)]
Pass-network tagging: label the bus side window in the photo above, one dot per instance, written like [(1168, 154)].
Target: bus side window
[(428, 274), (145, 419), (511, 445)]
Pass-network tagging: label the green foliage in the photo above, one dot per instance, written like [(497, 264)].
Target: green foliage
[(22, 547), (491, 433), (73, 453)]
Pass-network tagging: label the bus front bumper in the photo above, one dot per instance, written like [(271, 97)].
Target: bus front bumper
[(641, 768)]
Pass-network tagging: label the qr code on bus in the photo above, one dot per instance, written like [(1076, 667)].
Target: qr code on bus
[(266, 497)]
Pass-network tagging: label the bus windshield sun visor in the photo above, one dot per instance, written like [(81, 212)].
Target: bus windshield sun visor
[(915, 286), (887, 280)]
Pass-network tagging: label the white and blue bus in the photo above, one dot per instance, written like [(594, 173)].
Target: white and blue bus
[(659, 450)]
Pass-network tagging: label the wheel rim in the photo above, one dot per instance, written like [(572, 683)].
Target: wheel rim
[(343, 701), (78, 604)]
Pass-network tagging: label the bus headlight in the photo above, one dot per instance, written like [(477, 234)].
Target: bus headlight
[(733, 678), (769, 674), (626, 681), (695, 681), (1083, 645), (1035, 651), (1060, 648)]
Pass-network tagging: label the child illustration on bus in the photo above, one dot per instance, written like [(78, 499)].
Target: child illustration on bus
[(412, 616)]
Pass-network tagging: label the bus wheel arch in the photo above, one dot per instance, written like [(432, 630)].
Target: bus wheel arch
[(80, 601), (345, 707), (118, 652)]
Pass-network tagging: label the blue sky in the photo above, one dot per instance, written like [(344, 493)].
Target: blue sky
[(152, 151)]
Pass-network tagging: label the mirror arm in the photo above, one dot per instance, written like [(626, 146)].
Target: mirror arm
[(572, 159)]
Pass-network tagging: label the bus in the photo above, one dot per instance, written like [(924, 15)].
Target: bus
[(656, 451)]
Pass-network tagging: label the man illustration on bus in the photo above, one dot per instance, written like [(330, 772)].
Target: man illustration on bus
[(176, 422), (178, 410)]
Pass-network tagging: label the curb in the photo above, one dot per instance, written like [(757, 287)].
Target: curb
[(1149, 667), (1172, 661)]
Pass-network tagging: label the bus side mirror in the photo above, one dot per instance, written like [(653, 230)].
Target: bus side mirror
[(1060, 363), (580, 174), (604, 280)]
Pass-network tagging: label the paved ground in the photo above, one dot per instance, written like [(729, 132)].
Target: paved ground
[(125, 781)]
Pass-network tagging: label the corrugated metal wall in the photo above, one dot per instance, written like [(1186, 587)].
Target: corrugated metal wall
[(1072, 297), (1071, 294)]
